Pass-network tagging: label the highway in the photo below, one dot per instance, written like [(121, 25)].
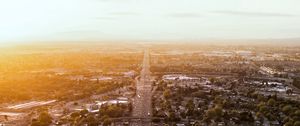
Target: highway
[(142, 101)]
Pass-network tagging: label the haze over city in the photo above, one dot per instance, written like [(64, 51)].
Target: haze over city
[(150, 63), (142, 20)]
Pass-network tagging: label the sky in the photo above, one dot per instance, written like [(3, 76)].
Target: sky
[(93, 20)]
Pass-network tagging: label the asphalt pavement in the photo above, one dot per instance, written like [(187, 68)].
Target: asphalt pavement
[(142, 101)]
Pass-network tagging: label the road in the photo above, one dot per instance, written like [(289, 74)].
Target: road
[(142, 101)]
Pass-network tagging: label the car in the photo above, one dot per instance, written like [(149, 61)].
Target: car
[(126, 123)]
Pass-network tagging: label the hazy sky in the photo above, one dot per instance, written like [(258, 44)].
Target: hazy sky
[(47, 20)]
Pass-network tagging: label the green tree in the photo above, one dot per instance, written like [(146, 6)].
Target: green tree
[(35, 123), (212, 80), (271, 102), (91, 121), (289, 123), (210, 113), (75, 115), (289, 91), (263, 109), (167, 93), (190, 105), (107, 122), (172, 116), (297, 113), (297, 123), (44, 119), (219, 111), (287, 109)]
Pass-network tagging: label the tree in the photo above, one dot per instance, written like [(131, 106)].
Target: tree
[(183, 115), (190, 105), (218, 100), (44, 119), (289, 123), (35, 123), (296, 82), (107, 122), (246, 116), (75, 103), (75, 114), (111, 111), (260, 116), (287, 109), (297, 113), (167, 94), (91, 121), (260, 97), (6, 117), (289, 91), (199, 94), (212, 80), (115, 111), (172, 116), (84, 112), (130, 106), (167, 105), (104, 117), (297, 123), (219, 111), (263, 109), (271, 102), (210, 114)]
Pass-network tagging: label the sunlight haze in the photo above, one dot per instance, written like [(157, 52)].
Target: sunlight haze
[(149, 63), (93, 20)]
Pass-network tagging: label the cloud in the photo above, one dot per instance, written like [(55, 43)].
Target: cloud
[(105, 18), (254, 14), (78, 32), (124, 13), (124, 1), (185, 15)]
